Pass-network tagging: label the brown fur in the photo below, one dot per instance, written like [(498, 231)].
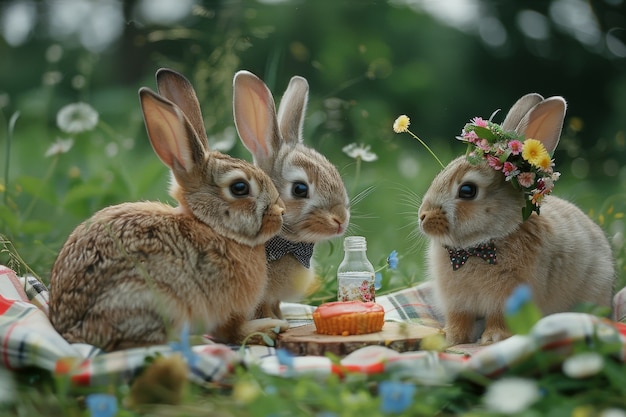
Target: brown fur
[(561, 254), (134, 273), (277, 145)]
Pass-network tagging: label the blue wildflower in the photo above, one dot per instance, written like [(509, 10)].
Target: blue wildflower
[(520, 296), (101, 405), (184, 347), (286, 359), (378, 281), (395, 396), (392, 260), (521, 313)]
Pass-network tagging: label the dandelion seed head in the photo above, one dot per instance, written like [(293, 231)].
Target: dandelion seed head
[(77, 118), (401, 124)]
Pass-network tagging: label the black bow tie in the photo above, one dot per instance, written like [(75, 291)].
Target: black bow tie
[(486, 251), (277, 247)]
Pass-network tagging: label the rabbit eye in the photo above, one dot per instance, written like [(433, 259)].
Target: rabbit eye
[(240, 188), (300, 189), (467, 191)]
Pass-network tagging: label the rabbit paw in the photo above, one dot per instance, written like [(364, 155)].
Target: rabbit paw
[(258, 330), (495, 330), (459, 327)]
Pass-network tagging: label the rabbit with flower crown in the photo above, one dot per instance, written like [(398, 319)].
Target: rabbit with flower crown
[(493, 225)]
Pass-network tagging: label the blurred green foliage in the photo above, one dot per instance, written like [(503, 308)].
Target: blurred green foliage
[(366, 63)]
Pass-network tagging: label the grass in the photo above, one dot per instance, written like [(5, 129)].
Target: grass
[(45, 197)]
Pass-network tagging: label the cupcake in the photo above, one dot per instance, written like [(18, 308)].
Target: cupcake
[(348, 318)]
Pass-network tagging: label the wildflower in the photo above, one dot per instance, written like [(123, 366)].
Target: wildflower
[(494, 162), (509, 170), (583, 365), (515, 146), (401, 124), (511, 395), (526, 164), (470, 136), (378, 281), (526, 179), (184, 347), (246, 391), (395, 396), (59, 147), (285, 359), (360, 151), (479, 121), (520, 296), (483, 144), (392, 260), (613, 412), (545, 163), (534, 152), (101, 405), (77, 118)]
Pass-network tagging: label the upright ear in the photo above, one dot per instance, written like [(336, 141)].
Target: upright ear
[(292, 109), (172, 137), (255, 116), (177, 89), (544, 122), (519, 110)]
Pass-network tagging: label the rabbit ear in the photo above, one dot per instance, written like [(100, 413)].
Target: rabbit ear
[(176, 88), (544, 122), (172, 137), (519, 110), (292, 109), (255, 116)]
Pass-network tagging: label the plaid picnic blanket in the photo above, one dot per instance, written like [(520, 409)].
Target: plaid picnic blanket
[(28, 340)]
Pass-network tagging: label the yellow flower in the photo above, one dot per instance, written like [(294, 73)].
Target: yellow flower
[(545, 162), (401, 124), (534, 152)]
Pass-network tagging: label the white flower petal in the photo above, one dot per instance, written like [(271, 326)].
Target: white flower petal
[(583, 365), (77, 118), (511, 395)]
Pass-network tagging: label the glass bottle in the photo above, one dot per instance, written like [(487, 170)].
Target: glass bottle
[(355, 275)]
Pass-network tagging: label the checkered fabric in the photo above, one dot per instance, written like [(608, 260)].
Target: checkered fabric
[(27, 339)]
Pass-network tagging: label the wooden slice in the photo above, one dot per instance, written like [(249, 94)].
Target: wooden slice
[(400, 337)]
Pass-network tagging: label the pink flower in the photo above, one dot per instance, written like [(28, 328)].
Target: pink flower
[(484, 145), (470, 136), (478, 121), (526, 179), (515, 146), (510, 170), (494, 162)]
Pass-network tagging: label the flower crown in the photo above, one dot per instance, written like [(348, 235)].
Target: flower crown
[(525, 163)]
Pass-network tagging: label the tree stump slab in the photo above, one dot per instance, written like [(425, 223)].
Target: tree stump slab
[(401, 337)]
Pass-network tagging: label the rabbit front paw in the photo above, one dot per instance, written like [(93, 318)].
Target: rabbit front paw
[(495, 330), (459, 327), (258, 331)]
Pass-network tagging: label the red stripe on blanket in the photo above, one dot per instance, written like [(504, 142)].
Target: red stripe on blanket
[(5, 304)]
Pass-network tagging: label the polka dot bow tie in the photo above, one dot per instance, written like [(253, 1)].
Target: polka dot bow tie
[(486, 251), (277, 247)]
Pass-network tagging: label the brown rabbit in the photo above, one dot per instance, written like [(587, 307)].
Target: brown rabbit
[(316, 200), (135, 272), (560, 253)]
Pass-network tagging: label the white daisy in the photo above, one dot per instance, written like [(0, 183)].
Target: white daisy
[(511, 395), (360, 151), (77, 118)]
